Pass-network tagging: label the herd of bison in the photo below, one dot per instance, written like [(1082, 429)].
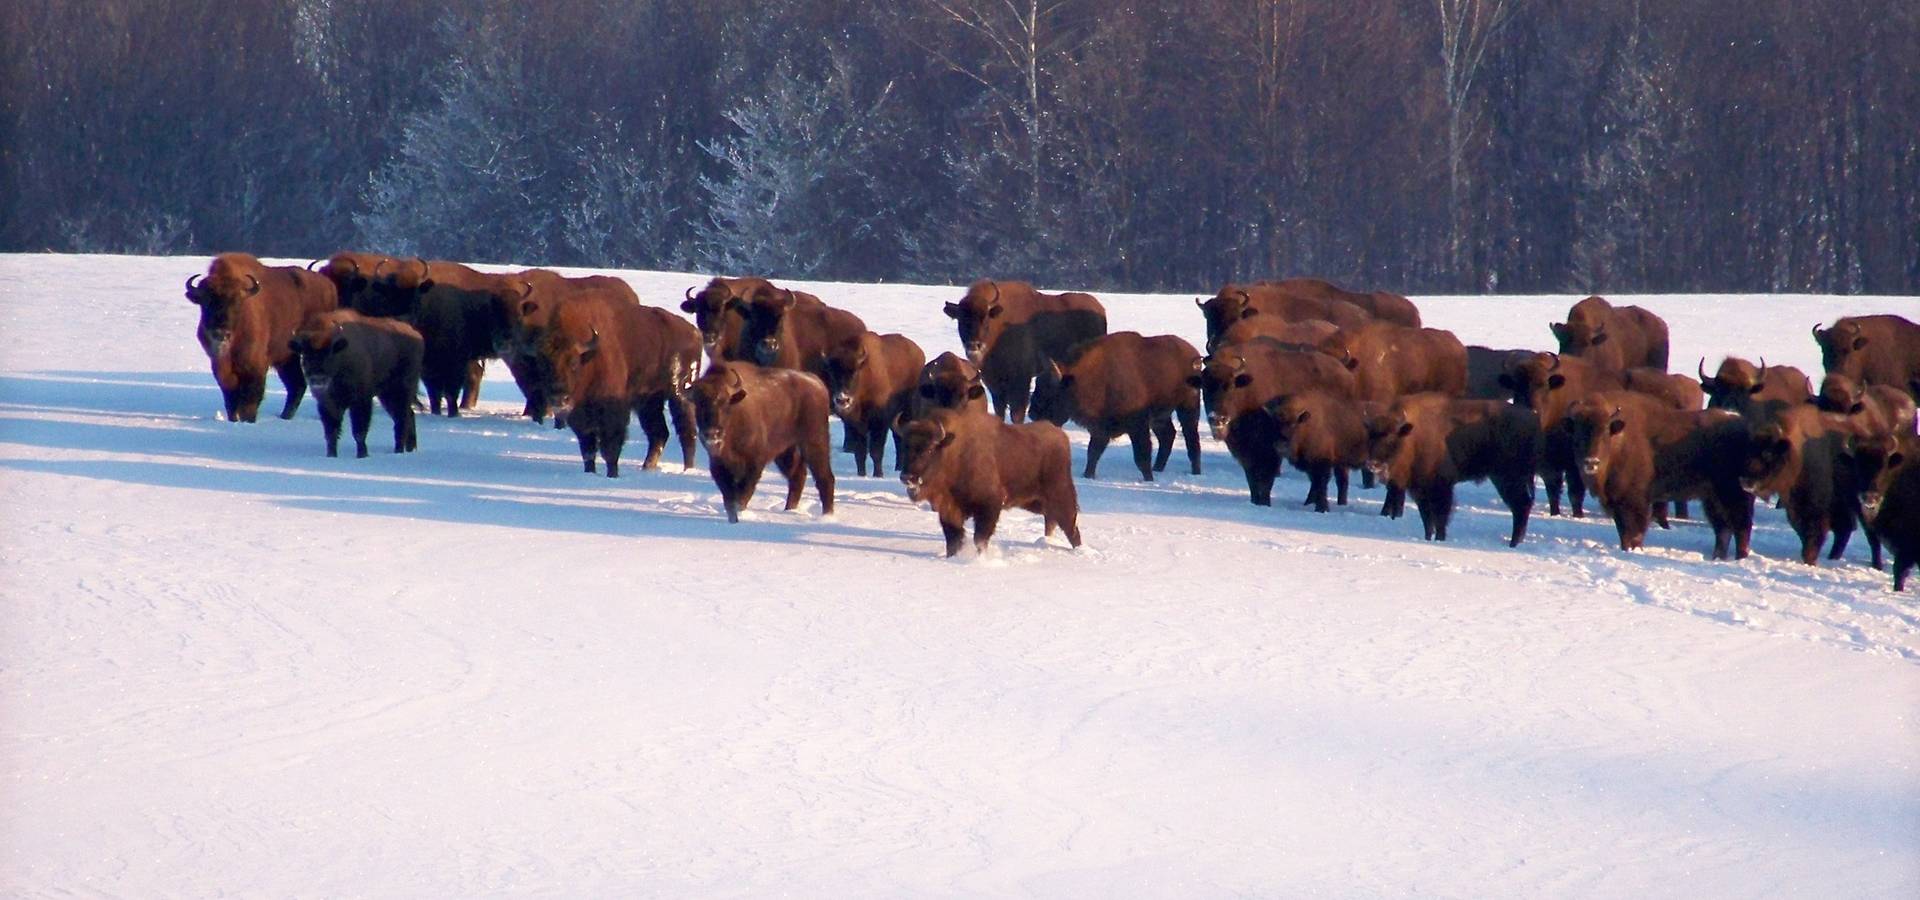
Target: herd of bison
[(1299, 370)]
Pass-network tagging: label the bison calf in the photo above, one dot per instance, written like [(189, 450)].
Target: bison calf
[(1323, 436), (749, 416), (349, 362), (1634, 451), (1427, 443), (970, 465)]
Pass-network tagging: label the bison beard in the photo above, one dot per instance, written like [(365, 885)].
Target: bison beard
[(969, 465), (749, 416), (350, 362)]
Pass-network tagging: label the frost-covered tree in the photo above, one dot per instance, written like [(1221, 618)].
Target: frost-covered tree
[(620, 208), (1618, 173), (470, 179)]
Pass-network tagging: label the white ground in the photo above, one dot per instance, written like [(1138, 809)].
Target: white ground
[(229, 665)]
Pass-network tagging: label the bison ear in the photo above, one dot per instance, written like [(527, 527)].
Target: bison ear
[(1859, 342), (687, 306), (1895, 458), (426, 285), (295, 345), (927, 391), (1756, 389), (1616, 426), (1242, 380), (339, 344), (994, 311), (1559, 330), (1406, 428), (1855, 409), (975, 392), (1193, 381), (952, 310), (1248, 312), (1599, 337), (1304, 415), (527, 308), (1066, 381), (737, 397), (1352, 364), (946, 437), (1556, 382)]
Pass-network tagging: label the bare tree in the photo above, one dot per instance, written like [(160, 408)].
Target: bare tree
[(1467, 29)]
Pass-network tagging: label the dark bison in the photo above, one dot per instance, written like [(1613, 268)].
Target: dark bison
[(352, 360), (950, 382), (1801, 455), (462, 315), (1237, 381), (1892, 505), (1738, 384), (872, 381), (793, 330), (1389, 361), (1427, 443), (1011, 332), (1486, 367), (1550, 384), (750, 416), (609, 362), (1124, 383), (1636, 451), (969, 465), (248, 315), (1873, 350), (1308, 333), (1613, 337), (1322, 435), (1280, 299), (1877, 408), (352, 277)]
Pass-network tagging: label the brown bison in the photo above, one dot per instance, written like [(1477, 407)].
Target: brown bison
[(950, 382), (794, 330), (352, 277), (1308, 333), (1801, 455), (1892, 505), (1124, 383), (1323, 436), (1635, 452), (248, 315), (1873, 350), (1427, 443), (609, 362), (1382, 305), (1876, 408), (872, 381), (1281, 300), (1389, 361), (720, 320), (1237, 381), (1011, 332), (1550, 384), (352, 360), (530, 298), (1738, 384), (1613, 337), (750, 416), (969, 465)]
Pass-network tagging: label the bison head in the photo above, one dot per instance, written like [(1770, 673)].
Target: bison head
[(1734, 385), (1290, 416), (950, 382), (1839, 344), (927, 442), (319, 350), (981, 318), (713, 312), (765, 315), (565, 357), (1225, 308), (1533, 379), (1876, 460), (230, 281), (395, 287), (1223, 381), (1596, 431), (1585, 327), (1840, 394), (1055, 393), (715, 396), (1388, 432), (844, 370)]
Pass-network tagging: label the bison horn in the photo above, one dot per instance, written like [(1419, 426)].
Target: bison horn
[(191, 287), (1556, 361), (380, 265), (1703, 368), (425, 270), (1240, 363), (996, 299), (690, 292), (1200, 303), (311, 265), (899, 423), (256, 286), (1762, 375), (593, 339), (526, 289), (1816, 331), (1199, 364), (1245, 297), (356, 265), (733, 375)]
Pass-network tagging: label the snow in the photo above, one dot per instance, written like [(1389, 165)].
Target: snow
[(231, 665)]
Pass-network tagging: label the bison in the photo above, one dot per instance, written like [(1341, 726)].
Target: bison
[(1550, 384), (872, 381), (609, 362), (1613, 337), (248, 315), (1800, 454), (352, 277), (749, 416), (1323, 436), (1011, 332), (352, 360), (793, 330), (970, 465), (1892, 505), (1487, 369), (1124, 383), (1282, 300), (1635, 451), (719, 318), (1877, 408), (530, 299), (1426, 443), (462, 315), (1307, 333), (1237, 381), (1873, 350), (1738, 384), (950, 382)]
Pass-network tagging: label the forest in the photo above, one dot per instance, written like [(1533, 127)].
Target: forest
[(1414, 145)]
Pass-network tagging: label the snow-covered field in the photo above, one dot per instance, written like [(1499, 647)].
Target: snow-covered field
[(229, 665)]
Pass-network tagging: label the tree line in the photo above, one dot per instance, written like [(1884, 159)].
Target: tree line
[(1417, 145)]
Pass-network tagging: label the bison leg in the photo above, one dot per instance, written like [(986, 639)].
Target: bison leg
[(1017, 397), (1517, 493), (361, 412), (819, 459), (1630, 520), (792, 468), (1190, 432), (1317, 475), (470, 391), (1554, 482), (1660, 516), (984, 524), (1812, 537), (1395, 505), (1260, 474), (854, 441), (330, 426), (877, 446), (681, 412), (253, 389), (955, 531), (1680, 510), (1902, 564), (652, 412), (1424, 505), (1097, 438), (1366, 479), (1442, 509), (1340, 483), (729, 491), (295, 381), (1140, 441), (230, 399), (1577, 494), (589, 447), (1873, 544), (401, 412), (1163, 432)]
